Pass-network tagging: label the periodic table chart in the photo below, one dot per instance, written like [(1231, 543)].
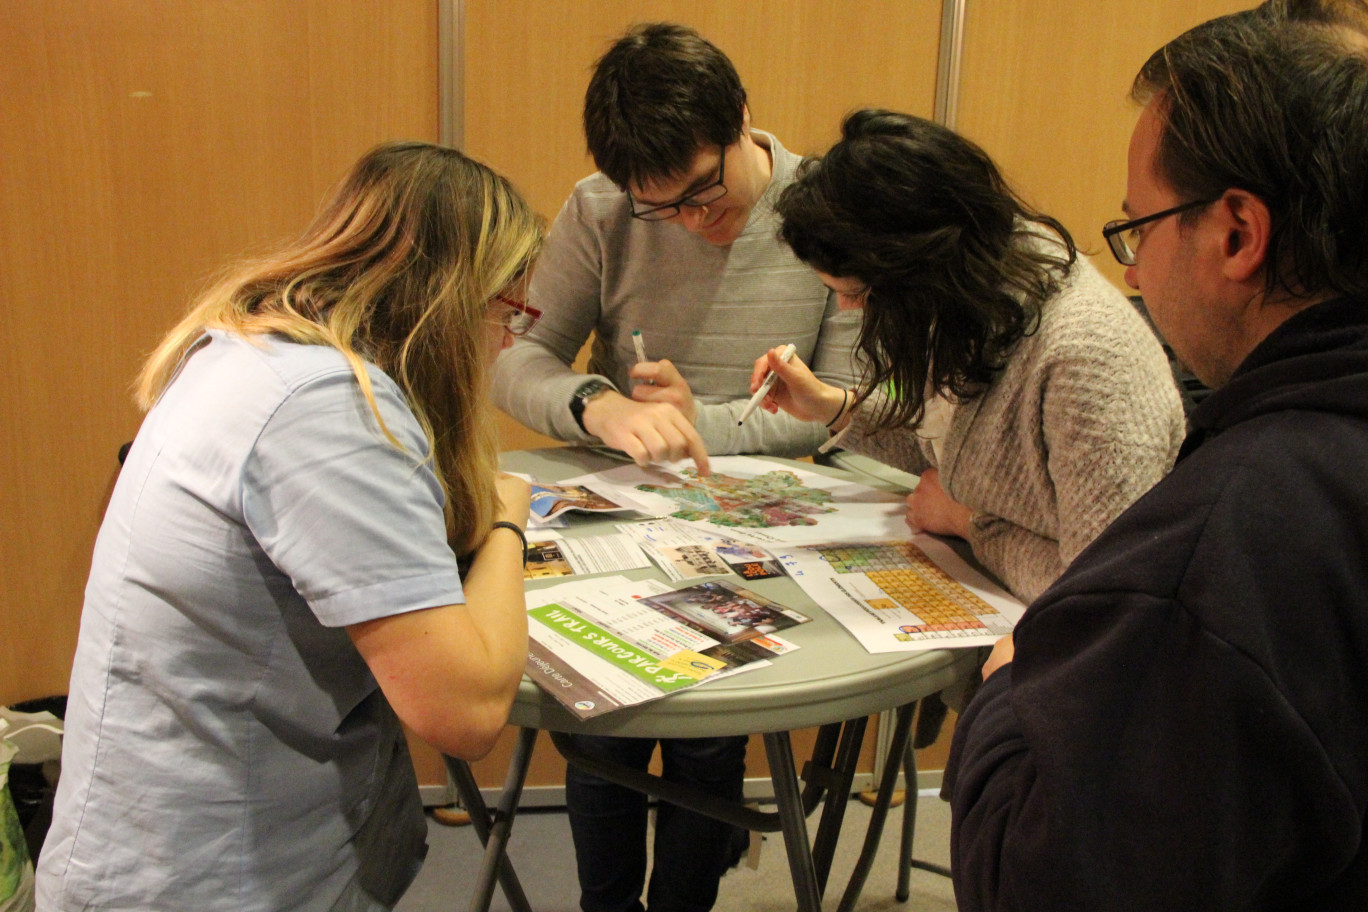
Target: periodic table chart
[(902, 596)]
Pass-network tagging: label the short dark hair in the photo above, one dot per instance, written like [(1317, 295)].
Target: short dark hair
[(658, 95), (1350, 13), (924, 218), (1274, 101)]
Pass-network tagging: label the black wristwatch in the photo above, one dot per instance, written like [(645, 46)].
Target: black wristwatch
[(582, 396)]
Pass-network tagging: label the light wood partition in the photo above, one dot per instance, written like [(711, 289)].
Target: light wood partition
[(804, 64), (143, 146), (1045, 88)]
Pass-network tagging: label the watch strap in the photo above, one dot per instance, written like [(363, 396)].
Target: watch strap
[(583, 394)]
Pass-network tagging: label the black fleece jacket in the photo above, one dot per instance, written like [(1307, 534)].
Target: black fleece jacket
[(1185, 724)]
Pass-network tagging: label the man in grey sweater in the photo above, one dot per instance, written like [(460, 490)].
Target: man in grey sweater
[(676, 238)]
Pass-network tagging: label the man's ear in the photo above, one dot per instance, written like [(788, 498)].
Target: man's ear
[(1247, 226)]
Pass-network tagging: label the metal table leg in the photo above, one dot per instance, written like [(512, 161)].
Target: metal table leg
[(494, 829), (704, 802), (841, 778), (779, 750), (831, 772), (909, 825), (902, 731), (909, 830)]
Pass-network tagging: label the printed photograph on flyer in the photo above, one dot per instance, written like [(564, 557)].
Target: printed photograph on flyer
[(750, 562), (727, 612)]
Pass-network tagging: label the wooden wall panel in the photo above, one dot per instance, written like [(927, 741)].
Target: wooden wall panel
[(804, 64), (143, 146), (1044, 90)]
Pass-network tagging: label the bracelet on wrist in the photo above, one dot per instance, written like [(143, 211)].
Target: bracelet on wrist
[(845, 400), (505, 524)]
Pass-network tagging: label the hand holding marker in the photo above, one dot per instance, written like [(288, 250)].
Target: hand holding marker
[(640, 345), (766, 386)]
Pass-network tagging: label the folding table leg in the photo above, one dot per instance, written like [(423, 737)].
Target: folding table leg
[(902, 731), (909, 830), (779, 750), (838, 781), (494, 830), (909, 825)]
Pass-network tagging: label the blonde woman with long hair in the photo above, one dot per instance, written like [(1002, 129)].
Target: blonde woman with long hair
[(275, 584)]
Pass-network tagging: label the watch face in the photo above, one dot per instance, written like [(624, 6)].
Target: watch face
[(590, 390)]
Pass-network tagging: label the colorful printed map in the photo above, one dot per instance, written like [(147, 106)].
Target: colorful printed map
[(765, 501)]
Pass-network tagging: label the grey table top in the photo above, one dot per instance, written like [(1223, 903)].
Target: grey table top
[(831, 678)]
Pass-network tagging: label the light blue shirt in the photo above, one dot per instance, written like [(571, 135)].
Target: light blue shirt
[(226, 745)]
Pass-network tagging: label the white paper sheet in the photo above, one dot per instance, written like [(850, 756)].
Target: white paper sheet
[(600, 645), (690, 550), (755, 500), (551, 554), (892, 599)]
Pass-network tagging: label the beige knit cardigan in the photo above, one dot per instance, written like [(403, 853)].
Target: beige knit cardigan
[(1083, 419)]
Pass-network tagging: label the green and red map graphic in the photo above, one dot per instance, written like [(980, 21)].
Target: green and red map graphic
[(768, 500)]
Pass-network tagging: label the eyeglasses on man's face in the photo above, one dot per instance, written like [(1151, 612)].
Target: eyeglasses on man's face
[(1123, 238), (710, 193), (518, 317)]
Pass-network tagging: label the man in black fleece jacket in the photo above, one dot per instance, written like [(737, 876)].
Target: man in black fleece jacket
[(1181, 721)]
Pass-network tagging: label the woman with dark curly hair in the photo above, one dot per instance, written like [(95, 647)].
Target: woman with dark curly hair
[(1023, 388)]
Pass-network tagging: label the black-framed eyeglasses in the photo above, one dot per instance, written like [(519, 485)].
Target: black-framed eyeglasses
[(700, 197), (1121, 232), (519, 317)]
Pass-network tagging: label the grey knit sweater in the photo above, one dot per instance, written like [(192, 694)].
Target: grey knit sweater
[(1084, 418), (710, 310)]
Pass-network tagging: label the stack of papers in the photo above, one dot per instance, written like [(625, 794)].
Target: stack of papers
[(614, 642), (607, 643)]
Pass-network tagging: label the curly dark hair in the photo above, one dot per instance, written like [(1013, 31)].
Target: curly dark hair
[(659, 94), (955, 270)]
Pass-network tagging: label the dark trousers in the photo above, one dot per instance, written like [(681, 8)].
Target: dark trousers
[(608, 823)]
